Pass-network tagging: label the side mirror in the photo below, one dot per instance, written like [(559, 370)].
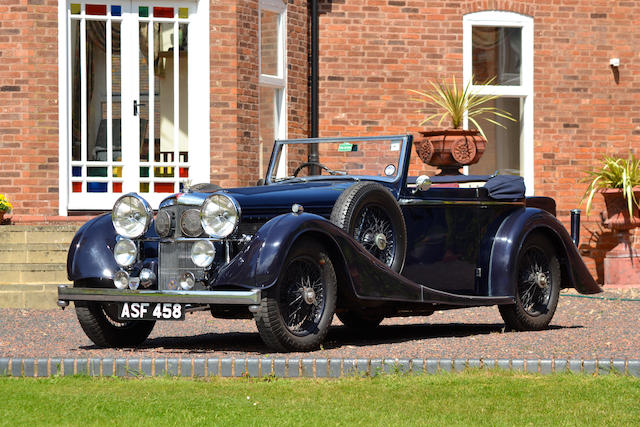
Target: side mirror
[(423, 183)]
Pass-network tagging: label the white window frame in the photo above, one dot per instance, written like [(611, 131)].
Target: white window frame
[(199, 120), (278, 81), (524, 91)]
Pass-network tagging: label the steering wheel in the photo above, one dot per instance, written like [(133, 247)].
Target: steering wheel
[(309, 164)]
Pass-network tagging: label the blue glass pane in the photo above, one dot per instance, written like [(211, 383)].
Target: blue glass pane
[(96, 187), (76, 171), (116, 10)]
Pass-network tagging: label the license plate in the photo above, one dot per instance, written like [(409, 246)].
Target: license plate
[(150, 311)]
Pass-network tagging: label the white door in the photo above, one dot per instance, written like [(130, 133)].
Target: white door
[(135, 120)]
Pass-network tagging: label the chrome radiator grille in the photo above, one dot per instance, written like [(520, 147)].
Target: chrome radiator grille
[(174, 259)]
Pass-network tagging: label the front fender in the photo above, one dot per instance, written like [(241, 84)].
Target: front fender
[(259, 264), (509, 240), (91, 252)]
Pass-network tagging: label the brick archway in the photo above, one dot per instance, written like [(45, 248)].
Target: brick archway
[(522, 7)]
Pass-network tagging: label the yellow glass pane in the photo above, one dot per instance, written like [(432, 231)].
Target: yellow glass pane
[(163, 172), (183, 12), (117, 171), (144, 187), (75, 8)]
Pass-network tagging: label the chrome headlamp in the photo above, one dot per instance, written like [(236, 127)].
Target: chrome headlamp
[(131, 216), (219, 215)]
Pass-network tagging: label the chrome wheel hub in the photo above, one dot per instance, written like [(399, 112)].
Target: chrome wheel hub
[(309, 296), (541, 280), (381, 241)]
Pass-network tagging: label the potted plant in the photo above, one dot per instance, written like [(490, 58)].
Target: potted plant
[(454, 147), (5, 206), (618, 181)]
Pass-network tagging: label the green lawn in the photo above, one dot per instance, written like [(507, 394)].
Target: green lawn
[(478, 398)]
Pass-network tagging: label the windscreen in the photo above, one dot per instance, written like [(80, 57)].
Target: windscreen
[(378, 157)]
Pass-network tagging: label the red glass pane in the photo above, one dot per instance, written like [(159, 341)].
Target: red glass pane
[(184, 172), (77, 187), (117, 187), (163, 12), (95, 9), (163, 187)]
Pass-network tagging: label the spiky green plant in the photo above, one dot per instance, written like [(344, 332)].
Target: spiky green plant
[(614, 173), (456, 101)]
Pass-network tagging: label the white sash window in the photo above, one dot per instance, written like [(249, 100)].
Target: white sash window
[(499, 45)]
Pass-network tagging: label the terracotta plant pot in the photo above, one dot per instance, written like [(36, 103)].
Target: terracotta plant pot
[(450, 149), (617, 211)]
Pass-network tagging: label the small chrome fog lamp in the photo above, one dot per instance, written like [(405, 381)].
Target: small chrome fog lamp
[(121, 280), (202, 253), (147, 277), (187, 281), (125, 252)]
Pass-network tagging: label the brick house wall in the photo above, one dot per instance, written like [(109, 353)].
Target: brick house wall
[(373, 51), (234, 87), (29, 97), (29, 105)]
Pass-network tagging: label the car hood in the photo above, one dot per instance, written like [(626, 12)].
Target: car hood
[(316, 197)]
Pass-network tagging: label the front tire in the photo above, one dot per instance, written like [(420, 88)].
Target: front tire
[(295, 313), (99, 322), (537, 288)]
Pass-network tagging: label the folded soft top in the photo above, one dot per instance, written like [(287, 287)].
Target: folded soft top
[(500, 187)]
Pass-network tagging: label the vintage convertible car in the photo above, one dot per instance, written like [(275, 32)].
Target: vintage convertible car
[(349, 233)]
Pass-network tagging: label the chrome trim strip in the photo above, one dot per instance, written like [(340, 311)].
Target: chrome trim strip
[(249, 297), (416, 202)]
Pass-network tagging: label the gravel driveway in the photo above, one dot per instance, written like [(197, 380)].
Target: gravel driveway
[(582, 328)]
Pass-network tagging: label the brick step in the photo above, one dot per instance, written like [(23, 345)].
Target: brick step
[(33, 273), (28, 234), (38, 296), (39, 253)]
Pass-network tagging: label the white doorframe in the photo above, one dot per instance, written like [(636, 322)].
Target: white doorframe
[(198, 100)]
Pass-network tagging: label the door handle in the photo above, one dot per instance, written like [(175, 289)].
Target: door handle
[(136, 104)]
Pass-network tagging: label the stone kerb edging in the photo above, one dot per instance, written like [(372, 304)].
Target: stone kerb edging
[(292, 368)]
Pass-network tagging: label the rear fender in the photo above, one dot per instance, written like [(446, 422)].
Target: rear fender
[(509, 239)]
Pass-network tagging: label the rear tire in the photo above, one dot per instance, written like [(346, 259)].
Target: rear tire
[(295, 313), (537, 286), (99, 322)]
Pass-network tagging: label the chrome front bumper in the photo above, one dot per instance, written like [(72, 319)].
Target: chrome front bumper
[(66, 294)]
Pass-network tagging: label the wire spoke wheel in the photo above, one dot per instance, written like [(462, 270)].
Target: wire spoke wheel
[(370, 213), (101, 324), (536, 288), (374, 230), (302, 299), (534, 282), (295, 313)]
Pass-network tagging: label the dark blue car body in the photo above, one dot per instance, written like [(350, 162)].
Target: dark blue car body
[(462, 248)]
